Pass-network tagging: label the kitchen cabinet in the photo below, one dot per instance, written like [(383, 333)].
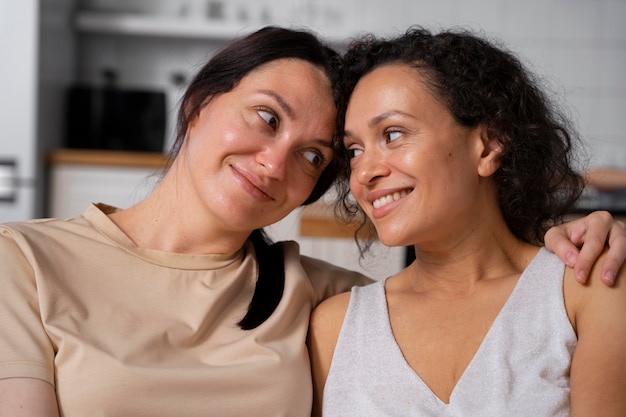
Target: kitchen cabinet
[(79, 177)]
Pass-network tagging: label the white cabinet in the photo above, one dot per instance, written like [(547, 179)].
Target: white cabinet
[(78, 178), (74, 187)]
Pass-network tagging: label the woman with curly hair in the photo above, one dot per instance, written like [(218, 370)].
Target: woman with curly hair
[(454, 149)]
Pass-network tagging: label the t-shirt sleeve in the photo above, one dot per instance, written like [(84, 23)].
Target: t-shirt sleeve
[(328, 279), (25, 349)]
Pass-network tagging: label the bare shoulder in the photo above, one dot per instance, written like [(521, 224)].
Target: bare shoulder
[(329, 313), (594, 297), (325, 326), (324, 329), (598, 370), (585, 299)]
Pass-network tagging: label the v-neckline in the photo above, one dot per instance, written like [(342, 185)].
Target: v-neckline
[(476, 355)]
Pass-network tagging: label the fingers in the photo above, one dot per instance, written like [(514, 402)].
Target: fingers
[(617, 253), (596, 229), (563, 240), (591, 234), (594, 243)]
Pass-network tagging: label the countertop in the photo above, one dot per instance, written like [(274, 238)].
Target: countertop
[(105, 157)]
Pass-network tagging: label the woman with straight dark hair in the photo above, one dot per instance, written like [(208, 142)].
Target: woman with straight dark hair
[(179, 305)]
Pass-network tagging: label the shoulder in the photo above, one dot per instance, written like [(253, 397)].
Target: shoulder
[(598, 315), (595, 300), (37, 233), (324, 328), (331, 312), (325, 325)]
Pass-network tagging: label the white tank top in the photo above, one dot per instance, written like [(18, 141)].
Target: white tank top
[(520, 369)]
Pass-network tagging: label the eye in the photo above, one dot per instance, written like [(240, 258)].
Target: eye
[(315, 157), (353, 149), (354, 152), (269, 118), (392, 135)]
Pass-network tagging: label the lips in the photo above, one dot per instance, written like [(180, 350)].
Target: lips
[(252, 184)]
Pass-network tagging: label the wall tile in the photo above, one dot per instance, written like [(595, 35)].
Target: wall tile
[(574, 66), (608, 118), (613, 20), (487, 15), (528, 19), (611, 67), (575, 19)]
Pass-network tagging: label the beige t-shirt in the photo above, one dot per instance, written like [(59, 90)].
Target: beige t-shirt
[(125, 331)]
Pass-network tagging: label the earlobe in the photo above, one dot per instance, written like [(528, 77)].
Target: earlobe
[(490, 157)]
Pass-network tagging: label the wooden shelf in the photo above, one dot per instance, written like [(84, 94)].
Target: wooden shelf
[(317, 220), (111, 158), (152, 25)]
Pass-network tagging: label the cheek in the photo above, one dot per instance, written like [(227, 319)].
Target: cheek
[(357, 191), (301, 186)]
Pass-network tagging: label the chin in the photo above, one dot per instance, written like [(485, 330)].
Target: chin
[(392, 240)]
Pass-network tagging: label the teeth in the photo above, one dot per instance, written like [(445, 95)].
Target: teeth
[(379, 202)]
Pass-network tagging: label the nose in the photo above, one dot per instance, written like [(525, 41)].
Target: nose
[(369, 167), (273, 159)]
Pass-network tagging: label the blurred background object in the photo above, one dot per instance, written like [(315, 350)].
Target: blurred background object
[(605, 189), (606, 179)]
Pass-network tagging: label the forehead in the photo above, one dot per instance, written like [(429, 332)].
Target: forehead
[(298, 82), (289, 73), (395, 85), (389, 77)]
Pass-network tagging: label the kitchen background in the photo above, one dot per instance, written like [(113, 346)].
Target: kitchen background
[(51, 47)]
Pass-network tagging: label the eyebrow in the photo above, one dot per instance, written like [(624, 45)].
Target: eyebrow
[(287, 109), (376, 120), (324, 143), (283, 105)]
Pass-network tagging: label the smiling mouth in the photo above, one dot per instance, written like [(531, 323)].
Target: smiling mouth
[(390, 198), (251, 185)]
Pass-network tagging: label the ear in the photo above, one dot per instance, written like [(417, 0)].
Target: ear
[(490, 151)]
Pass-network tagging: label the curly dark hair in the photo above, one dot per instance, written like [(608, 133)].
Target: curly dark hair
[(484, 84)]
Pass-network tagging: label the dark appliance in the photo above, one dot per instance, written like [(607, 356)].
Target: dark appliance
[(112, 118)]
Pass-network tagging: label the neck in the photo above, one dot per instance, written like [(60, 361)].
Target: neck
[(458, 267), (171, 219)]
